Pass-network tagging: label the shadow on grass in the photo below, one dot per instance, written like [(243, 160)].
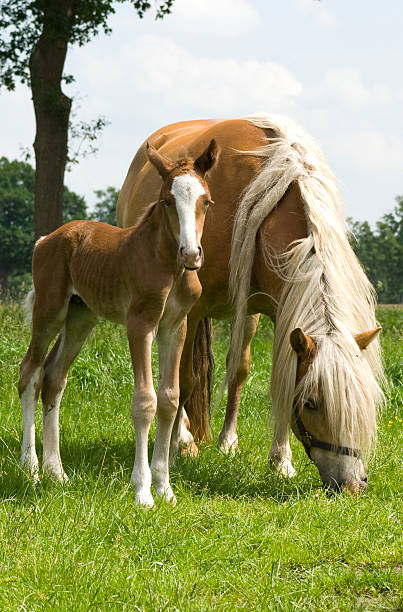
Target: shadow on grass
[(245, 475)]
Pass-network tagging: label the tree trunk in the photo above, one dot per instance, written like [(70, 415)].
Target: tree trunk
[(52, 112)]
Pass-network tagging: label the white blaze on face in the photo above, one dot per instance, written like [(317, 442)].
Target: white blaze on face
[(186, 190)]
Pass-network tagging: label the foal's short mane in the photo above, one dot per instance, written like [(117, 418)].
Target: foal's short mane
[(146, 214), (325, 292)]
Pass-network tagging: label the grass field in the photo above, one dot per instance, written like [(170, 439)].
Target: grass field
[(240, 537)]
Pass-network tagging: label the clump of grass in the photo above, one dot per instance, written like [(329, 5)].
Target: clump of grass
[(240, 536)]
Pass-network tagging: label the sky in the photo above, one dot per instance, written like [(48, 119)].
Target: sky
[(335, 66)]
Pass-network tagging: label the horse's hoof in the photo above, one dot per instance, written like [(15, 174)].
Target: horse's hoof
[(228, 445), (190, 450), (283, 467)]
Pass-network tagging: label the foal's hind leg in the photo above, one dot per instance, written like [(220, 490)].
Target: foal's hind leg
[(47, 318), (228, 438), (79, 322)]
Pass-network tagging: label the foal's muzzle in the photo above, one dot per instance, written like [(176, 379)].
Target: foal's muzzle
[(192, 258)]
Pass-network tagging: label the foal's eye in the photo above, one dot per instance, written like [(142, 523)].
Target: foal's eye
[(310, 405), (208, 203)]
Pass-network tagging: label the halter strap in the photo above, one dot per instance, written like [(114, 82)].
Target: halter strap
[(309, 441)]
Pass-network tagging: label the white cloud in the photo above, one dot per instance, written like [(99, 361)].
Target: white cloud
[(156, 72), (318, 12), (207, 84), (371, 151), (346, 84), (18, 127), (226, 18)]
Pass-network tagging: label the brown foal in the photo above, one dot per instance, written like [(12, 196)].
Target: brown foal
[(145, 277)]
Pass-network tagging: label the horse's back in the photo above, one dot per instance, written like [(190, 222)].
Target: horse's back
[(142, 183)]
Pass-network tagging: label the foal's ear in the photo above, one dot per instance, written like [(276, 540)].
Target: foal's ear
[(364, 339), (163, 164), (207, 159), (302, 344)]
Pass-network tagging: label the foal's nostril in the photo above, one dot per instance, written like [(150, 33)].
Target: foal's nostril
[(365, 479), (200, 250)]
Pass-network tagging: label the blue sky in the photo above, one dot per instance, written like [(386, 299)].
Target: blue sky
[(335, 66)]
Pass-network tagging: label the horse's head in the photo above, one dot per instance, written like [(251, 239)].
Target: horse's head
[(331, 415), (186, 197)]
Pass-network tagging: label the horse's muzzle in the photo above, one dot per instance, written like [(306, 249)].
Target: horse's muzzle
[(351, 487)]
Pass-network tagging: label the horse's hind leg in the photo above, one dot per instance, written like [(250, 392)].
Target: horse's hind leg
[(79, 322), (181, 436), (228, 438), (47, 317)]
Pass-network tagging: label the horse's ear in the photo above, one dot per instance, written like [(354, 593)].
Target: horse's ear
[(163, 164), (364, 339), (302, 344), (207, 159)]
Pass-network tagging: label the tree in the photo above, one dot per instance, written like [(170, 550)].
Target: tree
[(381, 252), (17, 181), (33, 47), (105, 207)]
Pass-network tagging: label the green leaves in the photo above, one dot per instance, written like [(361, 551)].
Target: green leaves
[(17, 187), (381, 252), (105, 207), (23, 21)]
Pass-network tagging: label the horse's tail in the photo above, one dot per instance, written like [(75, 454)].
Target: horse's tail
[(198, 405)]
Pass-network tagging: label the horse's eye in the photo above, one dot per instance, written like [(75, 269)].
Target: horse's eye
[(209, 202), (310, 405), (166, 202)]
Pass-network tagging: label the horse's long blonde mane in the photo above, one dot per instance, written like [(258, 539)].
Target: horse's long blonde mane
[(325, 292)]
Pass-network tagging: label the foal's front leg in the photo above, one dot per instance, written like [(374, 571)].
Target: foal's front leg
[(170, 345), (144, 405)]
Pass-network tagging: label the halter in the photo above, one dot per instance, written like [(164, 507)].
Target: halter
[(309, 441)]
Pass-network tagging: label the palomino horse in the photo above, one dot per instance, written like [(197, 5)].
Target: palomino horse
[(136, 276), (275, 243)]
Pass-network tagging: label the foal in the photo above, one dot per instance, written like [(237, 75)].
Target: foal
[(140, 276)]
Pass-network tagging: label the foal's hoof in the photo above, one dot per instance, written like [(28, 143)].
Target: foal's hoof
[(57, 474), (144, 500), (30, 466), (166, 495)]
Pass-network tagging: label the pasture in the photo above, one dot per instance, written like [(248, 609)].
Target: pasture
[(240, 537)]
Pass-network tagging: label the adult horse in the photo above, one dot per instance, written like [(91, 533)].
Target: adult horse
[(275, 243)]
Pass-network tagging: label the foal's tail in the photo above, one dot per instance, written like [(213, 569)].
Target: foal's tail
[(28, 306), (198, 405)]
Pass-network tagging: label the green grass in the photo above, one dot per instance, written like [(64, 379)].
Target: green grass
[(240, 537)]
